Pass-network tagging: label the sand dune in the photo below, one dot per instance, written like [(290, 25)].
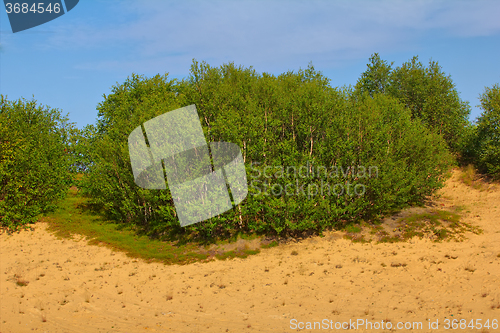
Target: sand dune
[(75, 287)]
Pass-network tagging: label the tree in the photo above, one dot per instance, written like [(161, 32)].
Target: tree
[(376, 79), (428, 92), (34, 164), (488, 132)]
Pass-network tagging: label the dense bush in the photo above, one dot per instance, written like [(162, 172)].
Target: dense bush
[(486, 136), (34, 163), (294, 121)]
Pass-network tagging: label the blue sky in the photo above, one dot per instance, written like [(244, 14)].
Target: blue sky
[(70, 62)]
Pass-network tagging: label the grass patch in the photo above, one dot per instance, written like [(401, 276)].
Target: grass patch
[(272, 244), (354, 233), (437, 224), (72, 219), (351, 228), (356, 237), (470, 177), (389, 239), (236, 254)]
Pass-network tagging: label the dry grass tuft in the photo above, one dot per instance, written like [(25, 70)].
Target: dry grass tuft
[(20, 281)]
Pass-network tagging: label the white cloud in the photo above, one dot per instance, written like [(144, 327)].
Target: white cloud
[(269, 34)]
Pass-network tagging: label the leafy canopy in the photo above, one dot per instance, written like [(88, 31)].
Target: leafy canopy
[(34, 163)]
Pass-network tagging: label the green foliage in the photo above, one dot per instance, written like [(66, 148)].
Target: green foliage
[(294, 121), (376, 79), (108, 180), (427, 92), (487, 140), (34, 163)]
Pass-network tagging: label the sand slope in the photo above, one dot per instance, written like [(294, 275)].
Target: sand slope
[(74, 287)]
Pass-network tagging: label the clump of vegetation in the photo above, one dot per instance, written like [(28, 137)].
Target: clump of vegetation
[(470, 178), (435, 224), (484, 141), (35, 166), (288, 122), (20, 281), (438, 225), (270, 244), (236, 253), (353, 228)]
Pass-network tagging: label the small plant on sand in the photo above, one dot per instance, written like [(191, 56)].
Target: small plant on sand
[(351, 228), (271, 244), (294, 253), (469, 268), (20, 281)]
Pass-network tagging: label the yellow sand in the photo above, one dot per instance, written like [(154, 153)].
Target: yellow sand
[(75, 287)]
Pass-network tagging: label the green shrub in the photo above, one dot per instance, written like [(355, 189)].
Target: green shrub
[(294, 120), (487, 144), (34, 163)]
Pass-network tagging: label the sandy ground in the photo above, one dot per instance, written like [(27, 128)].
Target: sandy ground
[(74, 287)]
